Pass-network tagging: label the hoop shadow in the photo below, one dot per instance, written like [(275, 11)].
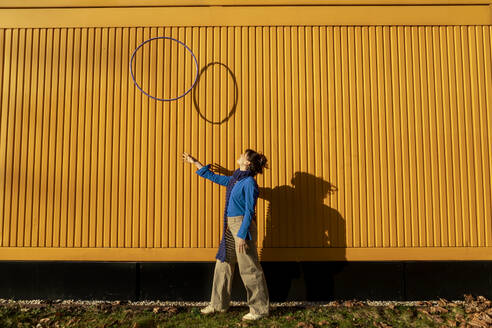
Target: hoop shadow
[(297, 217), (236, 92)]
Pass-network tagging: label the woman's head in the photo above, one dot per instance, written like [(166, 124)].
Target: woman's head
[(254, 161)]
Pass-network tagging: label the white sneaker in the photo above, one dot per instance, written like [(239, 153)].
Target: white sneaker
[(252, 316), (209, 309)]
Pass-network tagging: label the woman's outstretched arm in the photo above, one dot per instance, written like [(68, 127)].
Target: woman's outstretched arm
[(204, 171)]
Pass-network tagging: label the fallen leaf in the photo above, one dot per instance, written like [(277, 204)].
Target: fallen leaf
[(478, 323), (468, 298), (482, 299), (72, 321), (384, 325), (171, 309), (442, 302), (44, 320), (114, 322), (440, 309), (487, 318), (475, 309), (348, 303)]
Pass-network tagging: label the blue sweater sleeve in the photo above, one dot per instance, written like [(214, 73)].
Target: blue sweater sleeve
[(217, 178), (250, 196)]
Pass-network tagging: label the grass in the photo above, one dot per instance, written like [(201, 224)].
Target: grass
[(106, 315)]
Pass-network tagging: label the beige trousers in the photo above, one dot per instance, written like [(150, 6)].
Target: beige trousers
[(249, 269)]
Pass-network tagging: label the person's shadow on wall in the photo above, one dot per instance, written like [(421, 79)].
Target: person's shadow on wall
[(297, 217)]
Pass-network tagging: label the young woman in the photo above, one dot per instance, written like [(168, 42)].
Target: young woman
[(238, 242)]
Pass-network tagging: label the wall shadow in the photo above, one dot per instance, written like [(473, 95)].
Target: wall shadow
[(297, 217), (208, 92)]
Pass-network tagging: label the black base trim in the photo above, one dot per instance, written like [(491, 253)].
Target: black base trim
[(287, 281)]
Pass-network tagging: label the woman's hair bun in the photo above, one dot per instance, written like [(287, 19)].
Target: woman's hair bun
[(258, 161), (262, 160)]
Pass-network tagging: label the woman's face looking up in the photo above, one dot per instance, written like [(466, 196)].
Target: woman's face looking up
[(243, 160)]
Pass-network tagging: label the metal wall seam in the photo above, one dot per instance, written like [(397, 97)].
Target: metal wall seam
[(4, 65), (488, 150)]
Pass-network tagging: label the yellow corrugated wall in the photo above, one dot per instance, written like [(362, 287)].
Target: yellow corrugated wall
[(395, 120)]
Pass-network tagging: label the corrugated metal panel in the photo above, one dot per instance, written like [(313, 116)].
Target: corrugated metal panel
[(397, 118)]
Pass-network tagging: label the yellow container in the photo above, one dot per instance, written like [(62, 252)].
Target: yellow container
[(376, 118)]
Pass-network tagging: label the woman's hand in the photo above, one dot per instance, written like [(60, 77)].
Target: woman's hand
[(188, 158), (242, 246)]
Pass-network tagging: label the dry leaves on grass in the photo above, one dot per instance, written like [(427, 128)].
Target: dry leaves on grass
[(165, 309), (43, 322), (478, 305), (450, 323), (72, 321), (437, 309), (150, 324), (428, 315), (114, 323), (444, 302), (481, 320), (478, 312), (382, 325), (352, 303), (105, 307), (303, 324)]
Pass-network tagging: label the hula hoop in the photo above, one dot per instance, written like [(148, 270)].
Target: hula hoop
[(172, 39)]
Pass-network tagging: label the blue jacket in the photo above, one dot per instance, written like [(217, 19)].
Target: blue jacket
[(243, 197)]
